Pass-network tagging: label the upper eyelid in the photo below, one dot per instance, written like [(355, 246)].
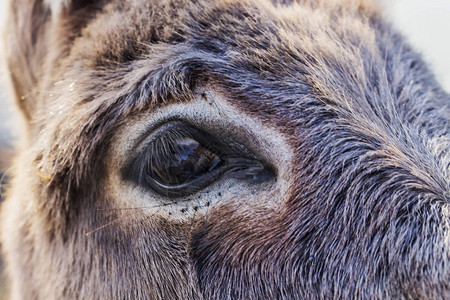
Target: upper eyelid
[(150, 133), (158, 129), (226, 136), (145, 143), (167, 139)]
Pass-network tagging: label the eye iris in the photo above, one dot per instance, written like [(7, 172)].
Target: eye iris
[(185, 160)]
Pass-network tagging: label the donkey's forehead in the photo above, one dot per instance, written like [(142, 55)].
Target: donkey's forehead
[(128, 30), (249, 45)]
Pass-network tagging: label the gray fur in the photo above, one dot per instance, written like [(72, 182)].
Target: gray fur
[(367, 212)]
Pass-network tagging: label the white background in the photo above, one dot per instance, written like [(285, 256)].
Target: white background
[(426, 23)]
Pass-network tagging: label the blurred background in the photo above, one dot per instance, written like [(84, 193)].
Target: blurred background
[(426, 25)]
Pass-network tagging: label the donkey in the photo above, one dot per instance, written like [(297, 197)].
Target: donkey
[(231, 149)]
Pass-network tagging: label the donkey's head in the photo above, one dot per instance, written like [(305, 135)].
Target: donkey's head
[(224, 150)]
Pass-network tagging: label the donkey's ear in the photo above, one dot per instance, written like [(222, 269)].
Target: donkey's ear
[(38, 33)]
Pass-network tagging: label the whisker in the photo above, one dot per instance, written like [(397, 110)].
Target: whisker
[(142, 207), (127, 208), (133, 209), (107, 224)]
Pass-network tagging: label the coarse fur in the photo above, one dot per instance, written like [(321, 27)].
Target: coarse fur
[(348, 116)]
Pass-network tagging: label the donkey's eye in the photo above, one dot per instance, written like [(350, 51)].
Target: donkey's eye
[(180, 160)]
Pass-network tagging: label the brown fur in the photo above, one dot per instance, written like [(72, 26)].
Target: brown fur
[(345, 113)]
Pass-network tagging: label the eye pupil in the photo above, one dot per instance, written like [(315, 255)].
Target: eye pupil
[(186, 161)]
